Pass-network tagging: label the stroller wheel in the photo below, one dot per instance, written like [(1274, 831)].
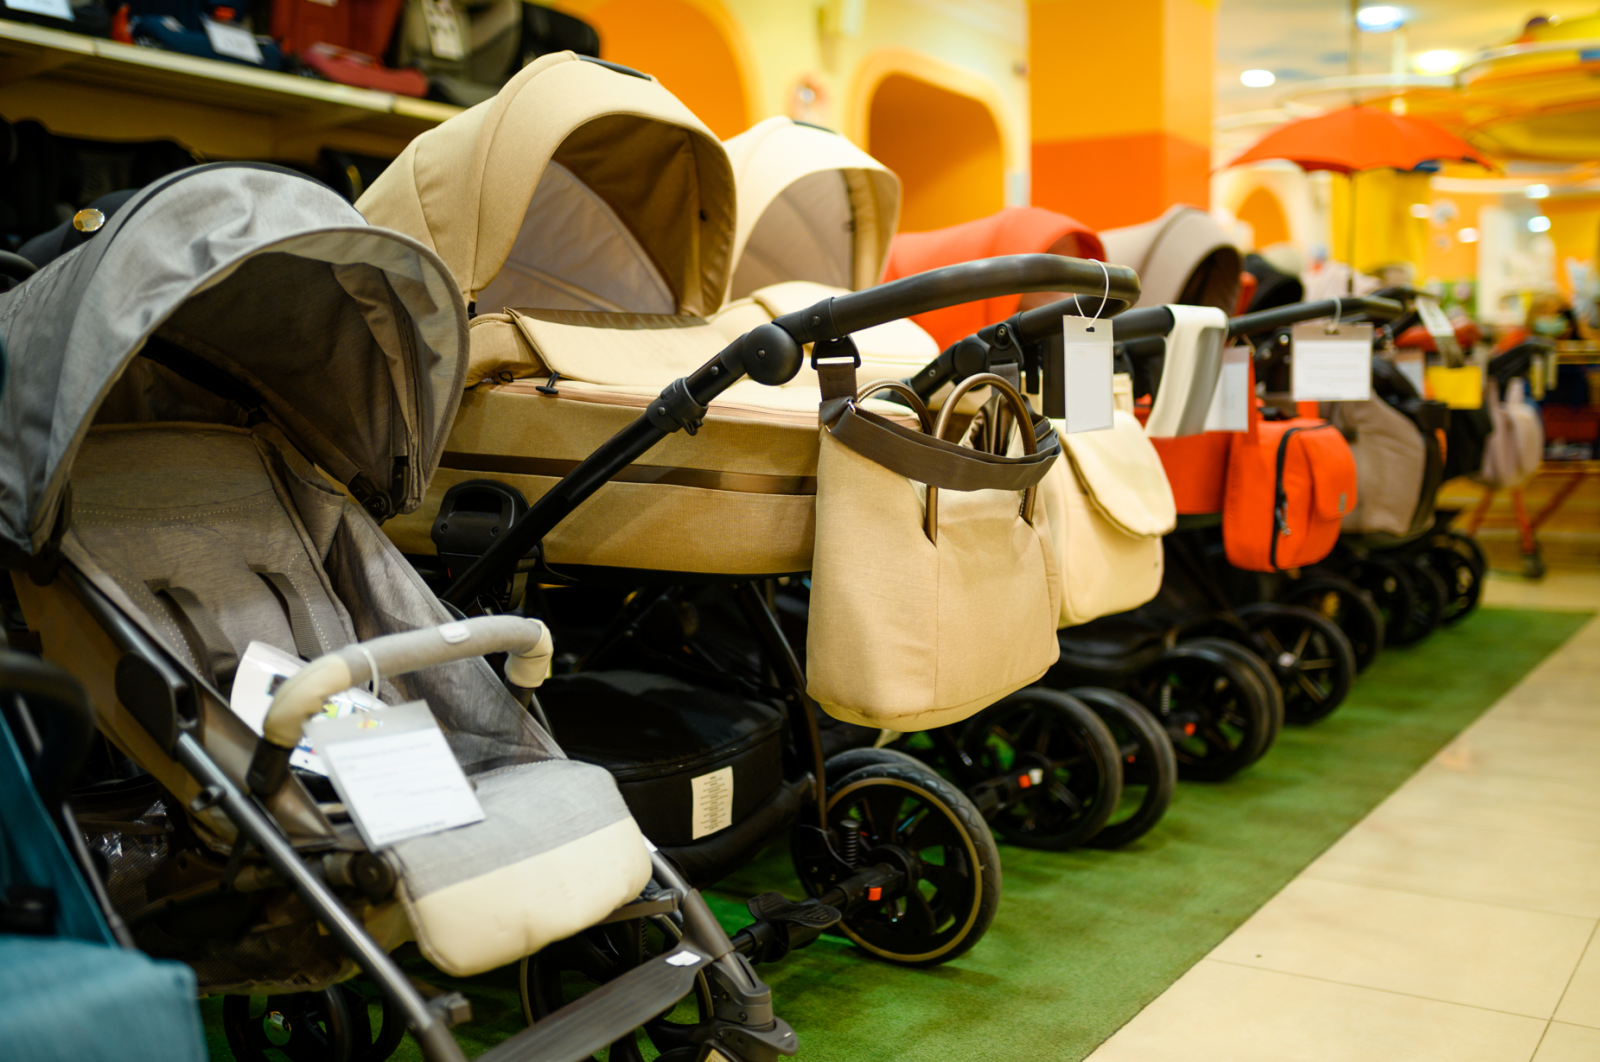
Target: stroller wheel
[(1149, 768), (1212, 708), (1042, 768), (849, 760), (1308, 653), (1465, 545), (303, 1026), (1463, 580), (905, 814), (570, 969), (1433, 595), (1266, 680), (1389, 584), (1346, 605), (372, 1011)]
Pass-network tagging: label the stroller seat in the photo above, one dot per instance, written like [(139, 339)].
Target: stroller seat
[(208, 535)]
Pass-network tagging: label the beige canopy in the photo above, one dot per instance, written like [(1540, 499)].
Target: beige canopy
[(1181, 257), (812, 206), (579, 186)]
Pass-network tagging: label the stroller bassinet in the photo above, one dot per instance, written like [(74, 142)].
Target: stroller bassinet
[(232, 341)]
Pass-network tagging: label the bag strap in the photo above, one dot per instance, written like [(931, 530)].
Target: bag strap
[(304, 629), (217, 654), (1030, 443), (934, 461)]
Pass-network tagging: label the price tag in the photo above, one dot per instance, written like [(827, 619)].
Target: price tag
[(395, 773), (236, 42), (1331, 364), (1457, 388), (1230, 401), (444, 32), (1439, 327), (61, 9), (1086, 373), (260, 673), (1412, 364)]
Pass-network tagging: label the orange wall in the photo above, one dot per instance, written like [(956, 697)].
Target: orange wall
[(945, 148), (683, 48), (1262, 211)]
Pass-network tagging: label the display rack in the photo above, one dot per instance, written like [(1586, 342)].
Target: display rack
[(87, 87)]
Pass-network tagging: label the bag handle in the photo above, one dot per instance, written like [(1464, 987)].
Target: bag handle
[(917, 405), (1030, 445)]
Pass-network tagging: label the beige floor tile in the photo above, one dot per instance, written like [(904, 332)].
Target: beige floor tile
[(1527, 748), (1562, 588), (1581, 1004), (1555, 698), (1458, 794), (1569, 1043), (1537, 873), (1218, 1012), (1480, 955)]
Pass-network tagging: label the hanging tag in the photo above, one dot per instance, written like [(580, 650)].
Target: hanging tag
[(61, 9), (1086, 373), (236, 42), (1457, 388), (1439, 327), (1331, 364), (261, 671), (1230, 401), (395, 773), (1412, 364), (444, 32), (712, 796)]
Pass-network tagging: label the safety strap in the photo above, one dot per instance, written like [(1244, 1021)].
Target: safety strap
[(217, 654), (306, 642)]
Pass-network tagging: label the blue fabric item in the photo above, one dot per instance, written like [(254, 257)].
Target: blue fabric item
[(68, 1001), (33, 853)]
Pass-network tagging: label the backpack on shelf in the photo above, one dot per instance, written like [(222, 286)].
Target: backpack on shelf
[(198, 28), (344, 42), (470, 48)]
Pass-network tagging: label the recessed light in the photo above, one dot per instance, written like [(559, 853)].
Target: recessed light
[(1439, 61), (1380, 18), (1537, 191), (1467, 235), (1538, 223), (1257, 78)]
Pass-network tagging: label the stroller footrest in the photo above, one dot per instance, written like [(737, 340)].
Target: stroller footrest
[(583, 1027), (773, 907)]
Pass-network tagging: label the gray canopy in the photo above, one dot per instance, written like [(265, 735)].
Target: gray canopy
[(254, 291)]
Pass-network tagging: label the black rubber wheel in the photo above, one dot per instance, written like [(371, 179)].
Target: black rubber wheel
[(1266, 679), (1149, 768), (1346, 604), (381, 1025), (841, 764), (1467, 546), (923, 820), (1211, 707), (1533, 563), (1433, 595), (302, 1027), (1455, 557), (567, 970), (1308, 653), (1391, 588), (1042, 768)]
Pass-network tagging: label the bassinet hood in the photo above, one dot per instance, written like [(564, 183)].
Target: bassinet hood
[(1014, 230), (1181, 257), (812, 206), (579, 186), (246, 286)]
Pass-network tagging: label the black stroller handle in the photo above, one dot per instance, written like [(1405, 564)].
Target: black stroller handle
[(1368, 306), (986, 278)]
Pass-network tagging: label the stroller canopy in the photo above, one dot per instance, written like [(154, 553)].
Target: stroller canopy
[(579, 186), (254, 292), (1181, 257), (812, 206), (1015, 230)]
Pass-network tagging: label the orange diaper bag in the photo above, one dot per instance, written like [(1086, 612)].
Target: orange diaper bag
[(1290, 484)]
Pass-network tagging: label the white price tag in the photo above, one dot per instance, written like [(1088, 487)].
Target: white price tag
[(51, 8), (236, 42), (713, 802), (1439, 327), (261, 671), (1331, 364), (444, 32), (1230, 402), (395, 773), (1413, 366), (1086, 373)]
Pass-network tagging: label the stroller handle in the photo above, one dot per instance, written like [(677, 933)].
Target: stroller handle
[(986, 278), (1282, 316), (527, 643)]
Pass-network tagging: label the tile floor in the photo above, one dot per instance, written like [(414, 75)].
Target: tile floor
[(1456, 923)]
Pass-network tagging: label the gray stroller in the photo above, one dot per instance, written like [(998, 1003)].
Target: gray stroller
[(197, 392)]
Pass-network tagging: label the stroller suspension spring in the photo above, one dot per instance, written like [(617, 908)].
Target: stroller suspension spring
[(850, 842)]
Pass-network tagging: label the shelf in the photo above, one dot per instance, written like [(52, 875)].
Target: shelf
[(84, 86)]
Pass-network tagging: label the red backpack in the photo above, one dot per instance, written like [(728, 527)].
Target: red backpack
[(1290, 485)]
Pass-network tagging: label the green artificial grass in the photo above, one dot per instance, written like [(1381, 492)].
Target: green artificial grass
[(1085, 939)]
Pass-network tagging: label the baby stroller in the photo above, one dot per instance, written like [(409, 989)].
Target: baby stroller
[(607, 359), (230, 347)]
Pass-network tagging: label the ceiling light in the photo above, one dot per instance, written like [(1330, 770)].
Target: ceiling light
[(1538, 223), (1467, 235), (1257, 78), (1419, 210), (1438, 62), (1380, 18), (1537, 191)]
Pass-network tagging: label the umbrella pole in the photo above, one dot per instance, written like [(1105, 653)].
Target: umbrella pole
[(1350, 274)]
